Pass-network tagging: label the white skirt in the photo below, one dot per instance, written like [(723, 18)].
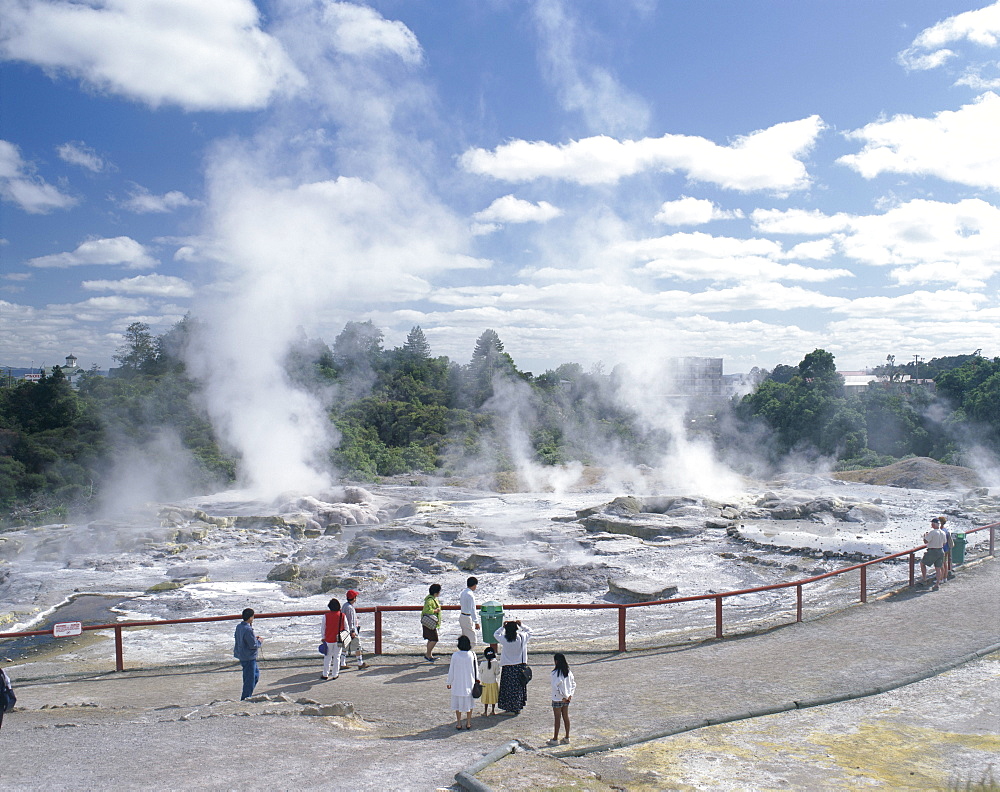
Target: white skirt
[(461, 703)]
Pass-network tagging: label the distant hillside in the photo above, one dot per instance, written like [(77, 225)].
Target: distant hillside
[(916, 473)]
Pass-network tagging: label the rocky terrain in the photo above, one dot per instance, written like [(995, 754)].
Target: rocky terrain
[(215, 555)]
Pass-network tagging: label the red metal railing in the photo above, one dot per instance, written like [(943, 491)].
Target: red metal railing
[(379, 610)]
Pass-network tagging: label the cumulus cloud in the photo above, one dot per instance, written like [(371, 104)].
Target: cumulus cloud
[(949, 302), (148, 285), (769, 159), (190, 53), (960, 146), (700, 256), (78, 153), (19, 184), (929, 49), (119, 251), (142, 201), (798, 221), (923, 241), (360, 30), (960, 241), (693, 211), (582, 87), (509, 209)]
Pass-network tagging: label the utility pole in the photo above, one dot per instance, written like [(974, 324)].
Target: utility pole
[(916, 363)]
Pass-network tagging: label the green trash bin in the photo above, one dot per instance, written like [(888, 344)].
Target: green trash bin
[(490, 619), (958, 548)]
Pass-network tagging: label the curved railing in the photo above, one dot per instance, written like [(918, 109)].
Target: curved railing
[(379, 610)]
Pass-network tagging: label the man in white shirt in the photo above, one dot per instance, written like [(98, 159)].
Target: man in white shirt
[(468, 620), (934, 539)]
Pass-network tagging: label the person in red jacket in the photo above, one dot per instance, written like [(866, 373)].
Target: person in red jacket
[(334, 628)]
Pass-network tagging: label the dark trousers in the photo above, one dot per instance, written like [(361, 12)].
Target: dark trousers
[(250, 676)]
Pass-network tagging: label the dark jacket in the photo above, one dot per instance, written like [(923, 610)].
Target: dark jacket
[(246, 643)]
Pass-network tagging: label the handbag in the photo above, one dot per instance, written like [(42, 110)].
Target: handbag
[(429, 620), (526, 671), (343, 637), (477, 689)]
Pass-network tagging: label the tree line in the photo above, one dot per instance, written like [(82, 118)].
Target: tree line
[(401, 410)]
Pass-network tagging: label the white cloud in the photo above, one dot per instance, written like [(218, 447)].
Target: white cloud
[(149, 285), (816, 250), (919, 304), (142, 201), (195, 54), (700, 256), (768, 159), (923, 241), (692, 211), (77, 153), (116, 251), (20, 186), (798, 221), (956, 145), (928, 50), (509, 209), (930, 240), (360, 30), (593, 91)]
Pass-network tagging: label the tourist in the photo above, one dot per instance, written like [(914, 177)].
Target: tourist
[(489, 676), (7, 697), (334, 631), (461, 678), (563, 686), (432, 607), (934, 539), (949, 545), (247, 645), (354, 645), (468, 620), (513, 640)]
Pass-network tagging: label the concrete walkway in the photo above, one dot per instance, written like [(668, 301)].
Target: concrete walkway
[(178, 728)]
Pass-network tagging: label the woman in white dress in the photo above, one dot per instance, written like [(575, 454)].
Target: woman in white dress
[(462, 675)]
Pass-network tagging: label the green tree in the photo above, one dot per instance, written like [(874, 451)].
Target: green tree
[(137, 350), (416, 345)]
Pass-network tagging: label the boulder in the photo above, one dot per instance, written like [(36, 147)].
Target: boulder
[(284, 572), (339, 709), (478, 562), (638, 589), (542, 583), (406, 510), (866, 513)]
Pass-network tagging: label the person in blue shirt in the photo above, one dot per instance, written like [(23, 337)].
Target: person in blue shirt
[(245, 650)]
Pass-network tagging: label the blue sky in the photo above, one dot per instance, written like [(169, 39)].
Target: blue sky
[(599, 181)]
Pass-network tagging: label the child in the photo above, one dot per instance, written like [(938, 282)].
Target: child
[(563, 687), (489, 677)]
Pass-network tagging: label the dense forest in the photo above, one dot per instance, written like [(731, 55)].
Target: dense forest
[(404, 410)]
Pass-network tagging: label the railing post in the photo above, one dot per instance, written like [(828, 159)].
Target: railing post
[(798, 603), (378, 631), (621, 628), (718, 617), (913, 561), (864, 583), (119, 653)]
